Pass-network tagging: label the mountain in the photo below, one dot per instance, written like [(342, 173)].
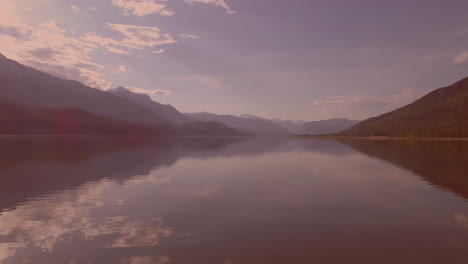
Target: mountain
[(248, 124), (327, 126), (167, 112), (441, 113), (207, 128), (294, 127), (16, 119), (27, 86)]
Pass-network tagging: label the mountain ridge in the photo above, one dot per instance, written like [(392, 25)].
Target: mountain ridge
[(440, 113), (165, 111), (30, 87)]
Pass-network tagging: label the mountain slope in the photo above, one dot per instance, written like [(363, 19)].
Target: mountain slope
[(16, 119), (30, 87), (327, 126), (249, 125), (441, 113), (167, 112), (207, 128)]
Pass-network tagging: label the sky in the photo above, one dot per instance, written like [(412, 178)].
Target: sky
[(290, 59)]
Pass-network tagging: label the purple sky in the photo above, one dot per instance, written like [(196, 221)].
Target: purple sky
[(295, 59)]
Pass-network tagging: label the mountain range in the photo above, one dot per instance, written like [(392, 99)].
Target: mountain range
[(34, 102), (248, 124)]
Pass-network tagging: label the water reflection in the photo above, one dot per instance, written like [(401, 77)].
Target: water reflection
[(232, 201)]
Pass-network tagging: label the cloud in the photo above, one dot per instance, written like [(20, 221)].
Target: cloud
[(122, 68), (44, 54), (220, 3), (159, 51), (48, 47), (191, 36), (80, 11), (138, 37), (149, 92), (135, 38), (461, 58), (142, 7), (16, 32)]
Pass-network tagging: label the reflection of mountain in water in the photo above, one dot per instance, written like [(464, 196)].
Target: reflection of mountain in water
[(32, 166), (441, 163)]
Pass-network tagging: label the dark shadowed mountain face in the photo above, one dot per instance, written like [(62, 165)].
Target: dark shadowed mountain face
[(167, 112), (441, 113), (16, 119), (27, 86), (258, 126), (327, 126)]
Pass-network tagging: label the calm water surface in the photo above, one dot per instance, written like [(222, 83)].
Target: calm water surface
[(229, 201)]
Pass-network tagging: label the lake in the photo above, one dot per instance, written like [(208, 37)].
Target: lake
[(232, 200)]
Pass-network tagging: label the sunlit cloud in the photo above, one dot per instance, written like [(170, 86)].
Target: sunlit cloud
[(79, 10), (121, 68), (135, 38), (142, 7), (48, 47), (51, 47), (189, 36), (138, 37), (149, 92), (461, 58), (220, 3), (159, 51)]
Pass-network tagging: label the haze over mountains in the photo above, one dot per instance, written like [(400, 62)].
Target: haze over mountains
[(328, 126), (250, 125)]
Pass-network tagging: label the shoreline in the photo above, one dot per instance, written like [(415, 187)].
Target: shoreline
[(387, 138)]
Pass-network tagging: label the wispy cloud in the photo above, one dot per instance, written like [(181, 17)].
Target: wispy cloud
[(80, 11), (220, 3), (189, 36), (461, 58), (135, 38), (159, 51), (149, 92), (142, 7), (121, 68)]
